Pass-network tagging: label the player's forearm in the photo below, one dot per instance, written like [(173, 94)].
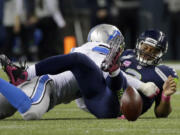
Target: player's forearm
[(149, 89), (164, 108), (132, 81)]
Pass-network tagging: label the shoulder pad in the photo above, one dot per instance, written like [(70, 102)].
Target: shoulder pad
[(127, 54)]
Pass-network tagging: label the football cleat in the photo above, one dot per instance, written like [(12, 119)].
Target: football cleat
[(110, 63), (16, 74)]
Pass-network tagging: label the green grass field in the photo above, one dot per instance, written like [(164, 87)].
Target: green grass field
[(69, 120)]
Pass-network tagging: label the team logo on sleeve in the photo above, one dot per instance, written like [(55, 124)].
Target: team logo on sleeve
[(127, 63)]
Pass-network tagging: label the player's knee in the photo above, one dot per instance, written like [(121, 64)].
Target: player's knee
[(31, 115), (78, 57), (35, 112)]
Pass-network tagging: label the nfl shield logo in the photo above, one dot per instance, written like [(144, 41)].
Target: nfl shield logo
[(126, 63)]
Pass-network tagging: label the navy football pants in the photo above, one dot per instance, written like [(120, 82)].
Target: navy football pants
[(99, 99)]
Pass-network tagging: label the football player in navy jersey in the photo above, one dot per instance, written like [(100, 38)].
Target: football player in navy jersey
[(144, 63)]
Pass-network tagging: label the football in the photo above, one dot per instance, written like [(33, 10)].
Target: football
[(131, 104)]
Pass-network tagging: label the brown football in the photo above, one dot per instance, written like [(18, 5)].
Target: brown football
[(131, 104)]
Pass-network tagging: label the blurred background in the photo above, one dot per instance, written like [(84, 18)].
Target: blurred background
[(36, 29)]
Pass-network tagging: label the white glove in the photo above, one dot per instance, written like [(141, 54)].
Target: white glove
[(149, 89)]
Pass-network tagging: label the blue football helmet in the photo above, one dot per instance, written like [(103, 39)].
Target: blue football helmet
[(157, 42), (106, 33)]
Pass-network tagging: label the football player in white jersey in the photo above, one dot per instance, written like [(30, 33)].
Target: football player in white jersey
[(49, 90)]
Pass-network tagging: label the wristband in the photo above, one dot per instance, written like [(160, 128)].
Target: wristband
[(165, 98)]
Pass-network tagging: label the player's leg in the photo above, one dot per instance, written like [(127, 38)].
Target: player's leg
[(86, 72), (15, 96), (116, 82), (39, 90), (100, 101), (104, 105), (90, 79), (24, 103), (6, 109)]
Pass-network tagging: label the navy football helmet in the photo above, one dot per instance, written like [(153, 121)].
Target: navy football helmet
[(151, 46)]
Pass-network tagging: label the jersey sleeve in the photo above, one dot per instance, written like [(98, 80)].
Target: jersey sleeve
[(163, 72), (132, 81), (128, 52), (167, 72)]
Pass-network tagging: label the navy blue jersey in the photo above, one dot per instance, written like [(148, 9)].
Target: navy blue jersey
[(157, 74)]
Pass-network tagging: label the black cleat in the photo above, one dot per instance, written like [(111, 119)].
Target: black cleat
[(110, 62), (16, 74)]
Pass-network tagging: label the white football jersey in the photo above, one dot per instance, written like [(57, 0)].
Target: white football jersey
[(88, 49), (96, 51)]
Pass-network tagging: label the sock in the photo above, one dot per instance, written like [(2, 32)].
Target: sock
[(15, 96), (116, 82), (115, 73), (31, 72)]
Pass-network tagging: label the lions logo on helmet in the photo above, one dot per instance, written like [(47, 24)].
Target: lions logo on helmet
[(105, 33), (151, 46)]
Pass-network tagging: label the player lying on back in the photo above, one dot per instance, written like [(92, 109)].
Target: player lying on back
[(144, 64), (63, 88)]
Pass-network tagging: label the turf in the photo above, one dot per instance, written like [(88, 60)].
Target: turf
[(69, 120)]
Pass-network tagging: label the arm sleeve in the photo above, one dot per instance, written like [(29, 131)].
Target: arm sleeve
[(132, 81)]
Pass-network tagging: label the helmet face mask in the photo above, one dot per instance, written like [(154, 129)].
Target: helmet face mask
[(150, 47), (147, 54)]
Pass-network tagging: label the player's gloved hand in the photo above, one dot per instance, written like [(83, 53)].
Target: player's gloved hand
[(149, 89), (169, 87)]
